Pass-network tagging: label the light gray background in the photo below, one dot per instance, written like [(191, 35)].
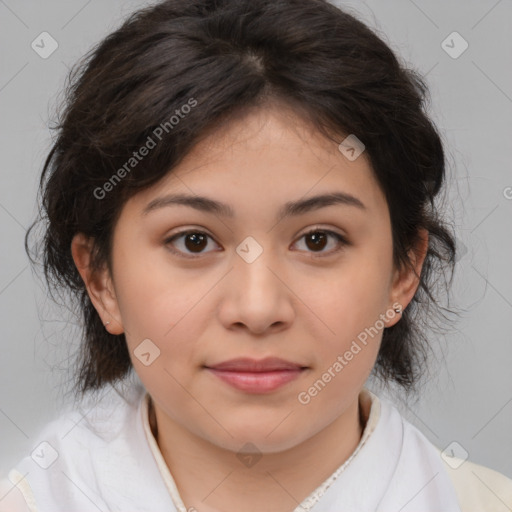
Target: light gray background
[(469, 397)]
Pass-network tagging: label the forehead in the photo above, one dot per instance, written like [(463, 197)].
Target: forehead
[(267, 157)]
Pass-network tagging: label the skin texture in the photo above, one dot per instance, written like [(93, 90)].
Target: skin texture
[(293, 301)]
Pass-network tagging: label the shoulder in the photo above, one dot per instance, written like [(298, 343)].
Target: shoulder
[(13, 499), (70, 448), (93, 424), (478, 487)]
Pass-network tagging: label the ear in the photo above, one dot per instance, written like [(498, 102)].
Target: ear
[(406, 280), (99, 284)]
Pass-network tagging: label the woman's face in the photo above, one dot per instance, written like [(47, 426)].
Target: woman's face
[(250, 282)]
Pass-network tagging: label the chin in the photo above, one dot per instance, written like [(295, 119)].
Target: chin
[(260, 439)]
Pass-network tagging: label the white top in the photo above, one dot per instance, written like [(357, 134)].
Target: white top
[(103, 456)]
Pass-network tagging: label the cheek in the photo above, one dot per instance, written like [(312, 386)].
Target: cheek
[(168, 306), (151, 292), (346, 351), (349, 305)]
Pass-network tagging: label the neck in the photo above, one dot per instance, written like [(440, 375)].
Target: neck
[(210, 478)]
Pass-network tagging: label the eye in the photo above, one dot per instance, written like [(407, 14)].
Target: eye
[(317, 239), (193, 240)]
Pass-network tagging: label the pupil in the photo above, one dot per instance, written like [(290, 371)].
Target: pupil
[(197, 240), (318, 240)]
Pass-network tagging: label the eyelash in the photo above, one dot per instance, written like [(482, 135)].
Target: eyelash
[(341, 240)]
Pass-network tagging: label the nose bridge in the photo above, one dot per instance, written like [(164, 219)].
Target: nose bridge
[(253, 266), (256, 297)]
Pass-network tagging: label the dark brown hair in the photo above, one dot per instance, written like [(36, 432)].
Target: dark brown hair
[(228, 56)]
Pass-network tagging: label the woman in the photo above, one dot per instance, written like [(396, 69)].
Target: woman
[(242, 200)]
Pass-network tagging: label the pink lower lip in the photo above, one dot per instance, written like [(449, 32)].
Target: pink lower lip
[(257, 382)]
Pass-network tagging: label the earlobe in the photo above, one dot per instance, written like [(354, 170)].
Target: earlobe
[(98, 283)]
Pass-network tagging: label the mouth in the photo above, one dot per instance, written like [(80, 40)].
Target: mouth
[(257, 376)]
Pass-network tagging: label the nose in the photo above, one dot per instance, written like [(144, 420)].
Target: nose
[(257, 296)]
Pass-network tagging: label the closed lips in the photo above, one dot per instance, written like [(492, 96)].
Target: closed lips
[(256, 366)]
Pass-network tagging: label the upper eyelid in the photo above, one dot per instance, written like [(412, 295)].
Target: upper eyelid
[(204, 232)]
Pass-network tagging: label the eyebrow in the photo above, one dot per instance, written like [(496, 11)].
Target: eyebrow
[(291, 208)]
